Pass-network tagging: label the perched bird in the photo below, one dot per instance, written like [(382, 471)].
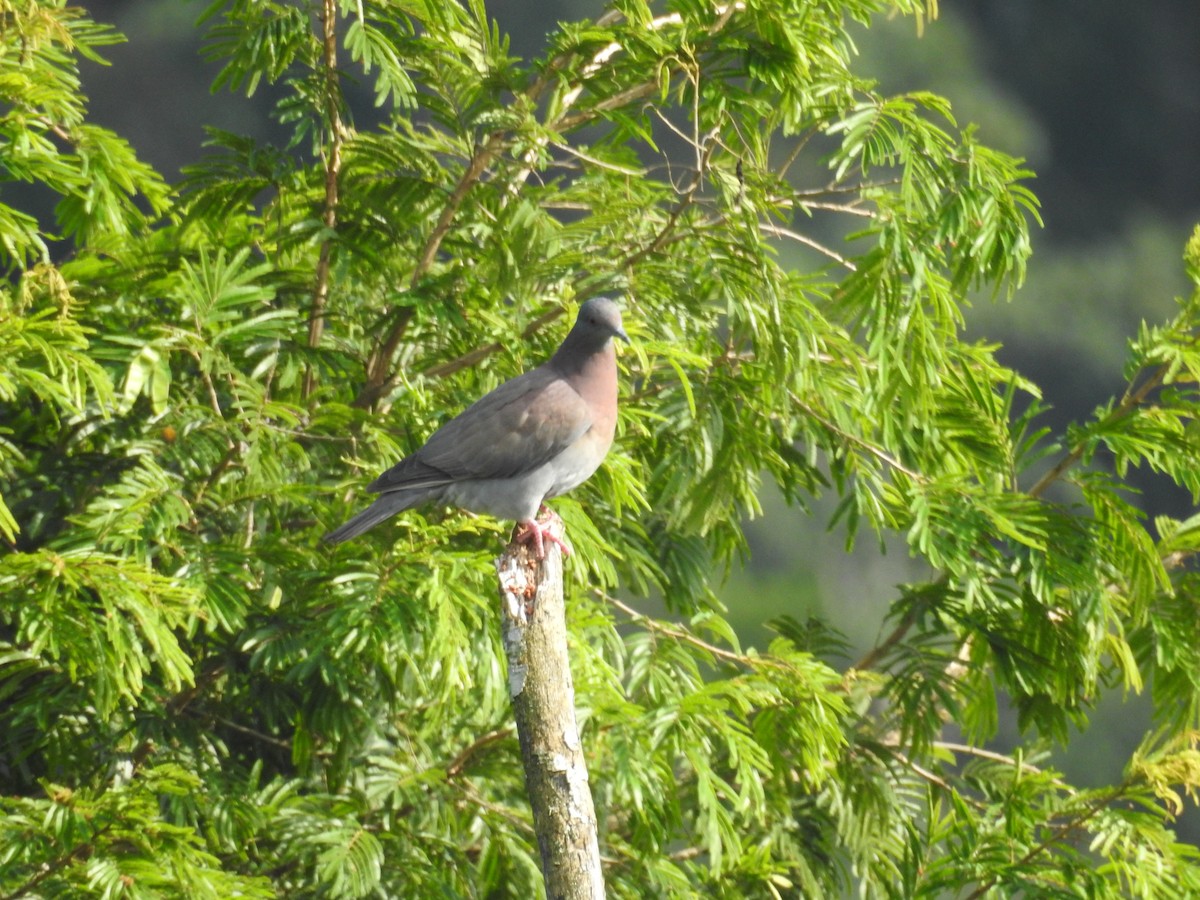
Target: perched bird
[(532, 438)]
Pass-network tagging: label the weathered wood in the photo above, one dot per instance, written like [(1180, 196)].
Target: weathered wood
[(543, 697)]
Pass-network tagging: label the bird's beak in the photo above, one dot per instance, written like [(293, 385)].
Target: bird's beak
[(620, 332)]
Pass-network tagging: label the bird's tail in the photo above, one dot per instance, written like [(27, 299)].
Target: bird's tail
[(385, 507)]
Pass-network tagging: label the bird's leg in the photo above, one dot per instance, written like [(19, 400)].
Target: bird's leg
[(534, 531)]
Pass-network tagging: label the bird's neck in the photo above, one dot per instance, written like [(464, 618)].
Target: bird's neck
[(576, 357), (591, 371)]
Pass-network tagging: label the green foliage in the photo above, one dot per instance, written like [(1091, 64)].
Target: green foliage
[(197, 699)]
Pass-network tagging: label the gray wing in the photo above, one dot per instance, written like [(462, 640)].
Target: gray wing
[(519, 426)]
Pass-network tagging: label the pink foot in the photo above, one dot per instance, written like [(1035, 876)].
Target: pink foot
[(533, 531)]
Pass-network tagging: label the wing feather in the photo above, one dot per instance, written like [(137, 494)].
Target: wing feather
[(519, 426)]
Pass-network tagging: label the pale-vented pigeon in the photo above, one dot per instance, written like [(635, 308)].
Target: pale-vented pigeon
[(532, 438)]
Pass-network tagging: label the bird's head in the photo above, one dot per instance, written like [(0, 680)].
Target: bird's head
[(599, 319)]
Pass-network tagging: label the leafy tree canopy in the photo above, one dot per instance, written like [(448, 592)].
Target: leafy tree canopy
[(198, 700)]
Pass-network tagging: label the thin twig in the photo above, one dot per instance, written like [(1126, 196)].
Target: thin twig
[(835, 187), (882, 455), (258, 735), (548, 75), (849, 209), (797, 150), (599, 163), (772, 228), (660, 239), (213, 400), (931, 777), (993, 756), (471, 793), (1132, 398), (907, 621), (79, 853), (480, 160), (378, 381), (1056, 836), (636, 92), (684, 635), (1129, 402), (443, 369), (460, 762), (602, 57)]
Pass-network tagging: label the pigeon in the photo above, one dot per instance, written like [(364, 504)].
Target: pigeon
[(532, 438)]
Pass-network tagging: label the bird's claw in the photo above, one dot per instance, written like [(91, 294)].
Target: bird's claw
[(532, 531)]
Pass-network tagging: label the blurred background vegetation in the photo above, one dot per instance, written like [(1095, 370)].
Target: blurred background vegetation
[(1101, 98)]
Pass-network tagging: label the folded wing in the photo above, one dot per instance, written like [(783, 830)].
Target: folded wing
[(518, 427)]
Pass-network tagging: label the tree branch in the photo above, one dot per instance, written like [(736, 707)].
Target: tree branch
[(333, 167), (1129, 402), (681, 634), (378, 381), (468, 753), (907, 621), (882, 455), (1132, 398), (78, 853), (780, 232), (533, 617), (1056, 836)]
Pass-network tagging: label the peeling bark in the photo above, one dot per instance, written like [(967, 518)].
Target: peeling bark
[(543, 698)]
